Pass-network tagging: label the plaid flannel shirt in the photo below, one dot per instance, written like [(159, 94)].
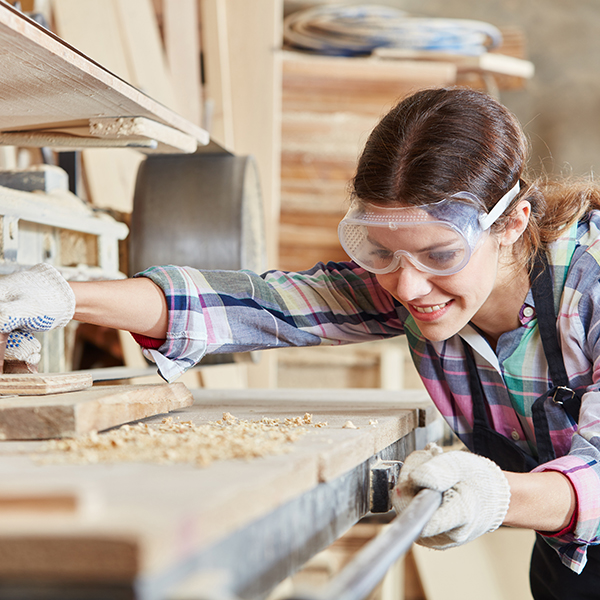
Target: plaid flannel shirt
[(338, 303)]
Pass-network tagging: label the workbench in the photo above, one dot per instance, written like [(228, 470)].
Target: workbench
[(147, 531)]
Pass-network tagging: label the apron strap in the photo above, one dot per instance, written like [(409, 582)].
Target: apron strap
[(480, 416), (543, 295)]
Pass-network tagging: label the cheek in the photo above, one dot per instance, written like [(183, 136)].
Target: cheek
[(388, 281)]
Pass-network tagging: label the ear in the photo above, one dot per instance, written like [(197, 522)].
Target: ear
[(517, 223)]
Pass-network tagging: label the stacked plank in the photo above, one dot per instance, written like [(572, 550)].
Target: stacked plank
[(329, 106), (124, 37)]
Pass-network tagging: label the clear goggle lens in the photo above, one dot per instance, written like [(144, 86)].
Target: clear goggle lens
[(437, 238), (434, 248)]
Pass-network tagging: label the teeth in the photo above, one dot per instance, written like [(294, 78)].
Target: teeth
[(429, 309)]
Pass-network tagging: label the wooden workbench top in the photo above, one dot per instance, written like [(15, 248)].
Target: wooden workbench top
[(130, 519)]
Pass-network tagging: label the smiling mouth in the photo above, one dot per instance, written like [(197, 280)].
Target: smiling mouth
[(429, 309)]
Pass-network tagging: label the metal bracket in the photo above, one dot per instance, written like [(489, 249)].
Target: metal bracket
[(384, 475)]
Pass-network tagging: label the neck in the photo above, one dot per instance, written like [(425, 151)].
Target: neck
[(500, 313)]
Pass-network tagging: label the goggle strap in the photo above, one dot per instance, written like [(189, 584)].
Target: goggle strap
[(486, 221)]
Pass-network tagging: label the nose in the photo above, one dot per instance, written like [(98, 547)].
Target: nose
[(410, 283)]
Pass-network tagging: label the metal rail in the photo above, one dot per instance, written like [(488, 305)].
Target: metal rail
[(371, 564)]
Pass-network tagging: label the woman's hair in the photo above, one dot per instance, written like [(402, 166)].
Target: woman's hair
[(441, 141)]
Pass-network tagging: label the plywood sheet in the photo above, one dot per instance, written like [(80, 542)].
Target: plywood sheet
[(95, 409)]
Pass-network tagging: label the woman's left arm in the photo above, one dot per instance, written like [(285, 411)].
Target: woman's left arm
[(541, 501)]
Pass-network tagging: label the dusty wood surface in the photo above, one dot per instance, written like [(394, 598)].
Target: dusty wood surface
[(40, 384), (149, 518), (77, 413), (70, 89)]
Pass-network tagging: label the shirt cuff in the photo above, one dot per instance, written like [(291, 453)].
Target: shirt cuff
[(147, 342), (186, 339), (582, 528)]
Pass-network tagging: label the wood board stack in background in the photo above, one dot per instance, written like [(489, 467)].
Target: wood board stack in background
[(330, 105), (123, 36)]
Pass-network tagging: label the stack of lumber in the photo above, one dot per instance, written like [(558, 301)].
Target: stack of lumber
[(330, 105), (124, 37)]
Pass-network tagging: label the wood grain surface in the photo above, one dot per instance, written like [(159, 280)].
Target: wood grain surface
[(153, 518), (70, 89), (94, 409), (41, 384)]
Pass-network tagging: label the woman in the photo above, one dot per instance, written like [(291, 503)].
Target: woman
[(446, 237)]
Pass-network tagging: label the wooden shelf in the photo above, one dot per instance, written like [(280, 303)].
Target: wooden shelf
[(47, 84)]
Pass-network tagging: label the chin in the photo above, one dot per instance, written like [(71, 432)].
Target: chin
[(434, 334)]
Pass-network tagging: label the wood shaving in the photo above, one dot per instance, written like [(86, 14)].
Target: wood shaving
[(173, 441), (349, 425)]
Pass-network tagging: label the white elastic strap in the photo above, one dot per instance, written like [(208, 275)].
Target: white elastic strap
[(486, 221)]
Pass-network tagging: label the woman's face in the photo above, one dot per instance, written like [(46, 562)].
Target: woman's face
[(483, 291)]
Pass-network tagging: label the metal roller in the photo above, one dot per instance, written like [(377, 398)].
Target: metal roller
[(199, 210)]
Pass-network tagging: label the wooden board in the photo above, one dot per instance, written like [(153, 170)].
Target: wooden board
[(154, 519), (144, 50), (139, 132), (102, 42), (40, 384), (95, 409), (70, 89), (182, 47)]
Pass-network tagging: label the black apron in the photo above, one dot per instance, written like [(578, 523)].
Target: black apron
[(494, 445), (549, 578)]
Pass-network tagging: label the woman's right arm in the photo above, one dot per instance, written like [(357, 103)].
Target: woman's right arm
[(136, 305)]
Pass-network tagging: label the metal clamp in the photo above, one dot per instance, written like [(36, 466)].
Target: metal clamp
[(384, 476)]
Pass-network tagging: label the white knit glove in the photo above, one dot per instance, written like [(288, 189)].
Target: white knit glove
[(22, 346), (38, 299), (475, 494)]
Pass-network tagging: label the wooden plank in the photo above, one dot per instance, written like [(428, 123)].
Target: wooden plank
[(145, 134), (491, 62), (252, 62), (144, 52), (39, 384), (95, 409), (182, 47), (70, 89), (168, 515), (61, 211), (92, 26), (217, 72)]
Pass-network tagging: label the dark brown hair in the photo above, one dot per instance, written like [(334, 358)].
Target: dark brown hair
[(445, 140)]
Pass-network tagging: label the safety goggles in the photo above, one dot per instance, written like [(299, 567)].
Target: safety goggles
[(436, 238)]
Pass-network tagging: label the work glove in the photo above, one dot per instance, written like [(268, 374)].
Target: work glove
[(22, 346), (475, 494), (38, 299)]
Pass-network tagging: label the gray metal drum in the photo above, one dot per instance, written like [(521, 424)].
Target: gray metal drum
[(199, 210)]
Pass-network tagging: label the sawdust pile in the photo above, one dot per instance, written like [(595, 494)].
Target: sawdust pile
[(173, 441)]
